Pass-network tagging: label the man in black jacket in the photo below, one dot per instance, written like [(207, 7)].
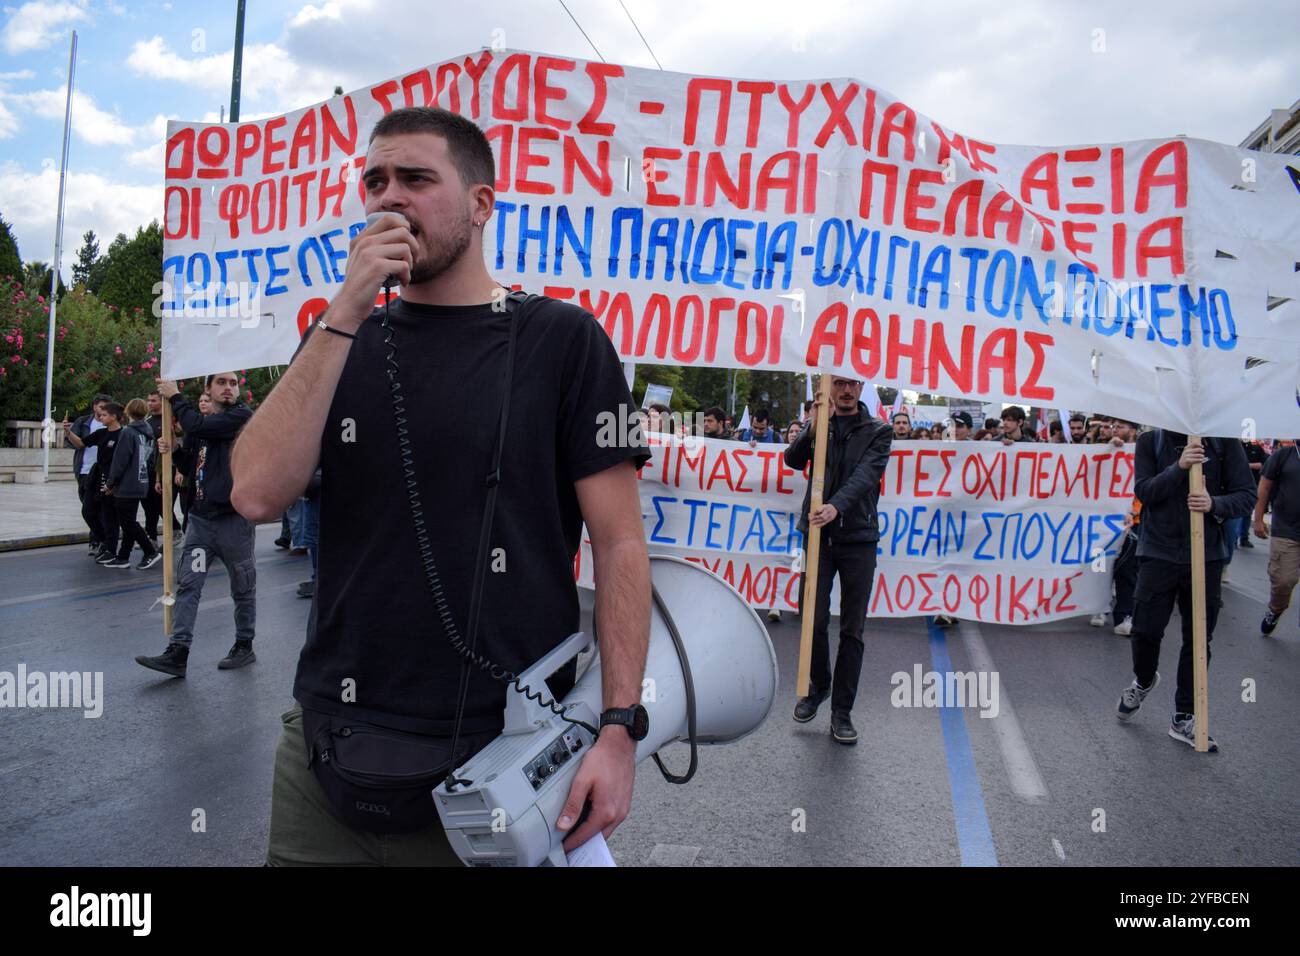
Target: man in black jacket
[(855, 462), (1164, 551), (214, 528)]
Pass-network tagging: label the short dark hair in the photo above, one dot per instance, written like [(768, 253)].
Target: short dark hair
[(1080, 419), (101, 397), (660, 407), (469, 149), (1013, 412), (114, 409), (1055, 427), (207, 382), (762, 415), (898, 415), (992, 423), (714, 412)]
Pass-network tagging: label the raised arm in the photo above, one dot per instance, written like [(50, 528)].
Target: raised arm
[(279, 449)]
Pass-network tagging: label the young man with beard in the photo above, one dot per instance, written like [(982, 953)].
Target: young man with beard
[(213, 529), (376, 626), (855, 462)]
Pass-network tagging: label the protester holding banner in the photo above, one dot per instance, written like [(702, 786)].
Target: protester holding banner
[(902, 426), (760, 430), (961, 425), (213, 528), (1013, 426), (1163, 459), (375, 623), (714, 421), (855, 462)]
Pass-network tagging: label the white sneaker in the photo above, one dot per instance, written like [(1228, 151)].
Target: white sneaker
[(1098, 620), (1125, 627), (774, 614)]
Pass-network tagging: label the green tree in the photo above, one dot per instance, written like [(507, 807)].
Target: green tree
[(36, 280), (87, 255), (11, 264), (126, 276)]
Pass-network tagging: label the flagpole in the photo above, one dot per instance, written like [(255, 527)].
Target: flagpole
[(48, 423)]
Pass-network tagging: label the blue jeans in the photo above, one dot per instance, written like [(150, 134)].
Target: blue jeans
[(294, 514), (311, 530), (1232, 535)]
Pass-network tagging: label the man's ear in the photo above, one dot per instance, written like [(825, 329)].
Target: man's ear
[(484, 200)]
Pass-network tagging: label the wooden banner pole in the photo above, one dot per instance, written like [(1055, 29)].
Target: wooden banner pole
[(812, 544), (165, 482), (1200, 660)]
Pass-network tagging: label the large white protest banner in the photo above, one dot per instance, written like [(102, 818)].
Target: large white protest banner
[(1011, 535), (790, 225)]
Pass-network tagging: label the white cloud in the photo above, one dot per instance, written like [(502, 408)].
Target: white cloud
[(88, 121), (16, 75), (269, 74), (152, 157), (91, 201), (8, 124), (37, 24)]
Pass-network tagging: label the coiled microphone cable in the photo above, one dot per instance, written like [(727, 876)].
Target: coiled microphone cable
[(468, 653)]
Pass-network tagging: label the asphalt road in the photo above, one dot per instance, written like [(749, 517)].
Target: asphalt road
[(1053, 780)]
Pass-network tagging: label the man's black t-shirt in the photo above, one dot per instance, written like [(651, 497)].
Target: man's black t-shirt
[(373, 625), (1283, 469)]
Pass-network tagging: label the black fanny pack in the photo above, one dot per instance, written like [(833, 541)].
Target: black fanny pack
[(379, 779)]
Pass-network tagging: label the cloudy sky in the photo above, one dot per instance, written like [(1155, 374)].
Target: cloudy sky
[(1023, 71)]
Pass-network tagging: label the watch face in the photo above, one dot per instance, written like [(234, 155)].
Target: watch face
[(640, 722)]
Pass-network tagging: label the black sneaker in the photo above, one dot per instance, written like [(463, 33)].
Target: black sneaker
[(116, 563), (1132, 698), (240, 654), (1270, 621), (944, 620), (282, 543), (1245, 543), (104, 557), (842, 729), (149, 560), (806, 709), (307, 589), (171, 661)]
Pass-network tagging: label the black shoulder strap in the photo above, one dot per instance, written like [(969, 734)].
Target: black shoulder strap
[(513, 301)]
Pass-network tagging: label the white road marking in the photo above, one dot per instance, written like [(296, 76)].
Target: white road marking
[(669, 854), (1056, 845), (1021, 768)]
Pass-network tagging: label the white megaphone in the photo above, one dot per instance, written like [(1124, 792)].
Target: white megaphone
[(709, 662)]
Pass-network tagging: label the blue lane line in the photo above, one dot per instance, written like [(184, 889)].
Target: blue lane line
[(974, 837)]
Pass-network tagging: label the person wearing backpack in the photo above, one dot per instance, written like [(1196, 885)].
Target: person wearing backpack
[(1161, 462), (129, 481)]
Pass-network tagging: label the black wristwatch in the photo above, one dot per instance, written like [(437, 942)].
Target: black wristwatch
[(635, 719)]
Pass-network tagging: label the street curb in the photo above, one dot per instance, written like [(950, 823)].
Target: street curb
[(44, 541)]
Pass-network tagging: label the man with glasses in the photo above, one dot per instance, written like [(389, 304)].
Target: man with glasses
[(856, 456)]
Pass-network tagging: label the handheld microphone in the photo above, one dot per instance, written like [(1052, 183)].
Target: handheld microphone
[(373, 218)]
